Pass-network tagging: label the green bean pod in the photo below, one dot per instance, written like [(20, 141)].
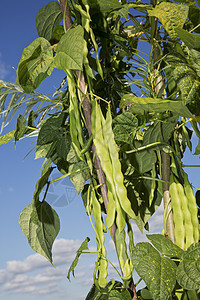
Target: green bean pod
[(124, 261), (187, 217), (102, 261), (179, 229), (116, 167), (76, 130), (192, 207), (101, 145)]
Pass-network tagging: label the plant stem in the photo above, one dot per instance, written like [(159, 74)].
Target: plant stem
[(86, 104), (165, 157)]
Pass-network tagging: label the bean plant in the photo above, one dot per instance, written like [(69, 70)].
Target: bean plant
[(118, 125)]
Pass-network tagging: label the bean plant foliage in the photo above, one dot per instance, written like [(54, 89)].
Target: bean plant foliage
[(118, 126)]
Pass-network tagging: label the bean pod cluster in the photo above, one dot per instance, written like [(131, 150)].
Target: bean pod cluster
[(119, 206), (183, 202)]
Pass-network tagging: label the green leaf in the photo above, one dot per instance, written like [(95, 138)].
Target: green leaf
[(84, 246), (140, 105), (171, 15), (194, 16), (79, 169), (145, 294), (125, 126), (48, 17), (139, 190), (20, 127), (80, 174), (187, 81), (159, 131), (69, 54), (104, 6), (40, 224), (165, 246), (112, 290), (143, 160), (35, 64), (195, 60), (43, 180), (191, 40), (4, 139), (158, 272), (188, 271), (53, 133)]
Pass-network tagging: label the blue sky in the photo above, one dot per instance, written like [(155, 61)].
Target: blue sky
[(25, 275)]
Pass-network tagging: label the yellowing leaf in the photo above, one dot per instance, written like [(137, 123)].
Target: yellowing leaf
[(171, 15), (4, 139)]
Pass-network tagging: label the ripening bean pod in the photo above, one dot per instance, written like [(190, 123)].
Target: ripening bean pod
[(116, 167), (101, 145), (103, 263), (187, 217), (179, 229), (124, 261), (76, 131), (111, 209), (192, 207)]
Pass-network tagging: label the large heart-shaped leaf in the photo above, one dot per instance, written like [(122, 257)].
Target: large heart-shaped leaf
[(158, 272), (40, 224), (35, 64), (47, 19), (69, 54)]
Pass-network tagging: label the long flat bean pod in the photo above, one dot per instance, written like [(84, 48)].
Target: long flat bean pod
[(187, 217), (179, 229), (125, 263), (102, 261), (192, 207), (116, 167), (98, 122), (76, 131)]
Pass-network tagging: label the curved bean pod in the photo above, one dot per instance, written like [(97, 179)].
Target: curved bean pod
[(192, 207), (179, 229), (187, 217), (102, 261), (116, 167)]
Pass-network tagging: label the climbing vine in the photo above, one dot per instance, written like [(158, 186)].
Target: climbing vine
[(118, 126)]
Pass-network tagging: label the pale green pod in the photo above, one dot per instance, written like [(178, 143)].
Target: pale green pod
[(192, 207)]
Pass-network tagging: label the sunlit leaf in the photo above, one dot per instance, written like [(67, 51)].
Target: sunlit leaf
[(35, 64), (84, 246), (165, 246), (188, 271), (69, 54), (158, 272), (171, 15), (48, 17), (41, 225), (4, 139), (188, 82), (145, 104)]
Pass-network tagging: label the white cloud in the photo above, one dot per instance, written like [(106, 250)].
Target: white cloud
[(35, 275)]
